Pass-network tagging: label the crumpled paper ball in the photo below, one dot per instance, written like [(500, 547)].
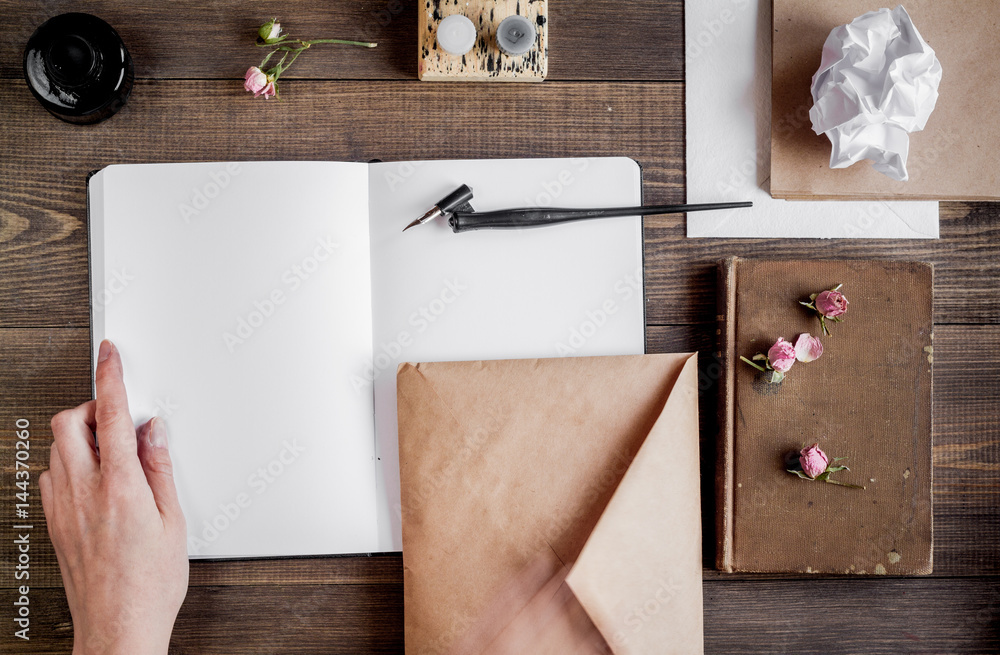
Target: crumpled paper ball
[(877, 82)]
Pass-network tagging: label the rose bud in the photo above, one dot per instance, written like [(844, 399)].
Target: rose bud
[(813, 460), (831, 304), (781, 355), (255, 81), (808, 348), (269, 31), (269, 91)]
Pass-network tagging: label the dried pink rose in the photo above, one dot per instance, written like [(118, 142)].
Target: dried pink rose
[(781, 355), (831, 304), (269, 32), (808, 348), (813, 464), (263, 82), (813, 460), (255, 81)]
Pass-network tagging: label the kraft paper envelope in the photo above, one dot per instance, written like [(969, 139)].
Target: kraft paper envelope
[(551, 505)]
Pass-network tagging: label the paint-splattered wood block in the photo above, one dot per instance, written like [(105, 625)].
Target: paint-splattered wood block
[(485, 62)]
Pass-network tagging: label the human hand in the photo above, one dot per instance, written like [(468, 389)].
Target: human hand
[(115, 521)]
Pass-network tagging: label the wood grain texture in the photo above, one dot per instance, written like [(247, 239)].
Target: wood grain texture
[(680, 273), (593, 40), (42, 216), (45, 370), (43, 243), (189, 106), (885, 616)]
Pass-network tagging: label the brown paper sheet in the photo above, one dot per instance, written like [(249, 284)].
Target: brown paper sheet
[(953, 158), (553, 503)]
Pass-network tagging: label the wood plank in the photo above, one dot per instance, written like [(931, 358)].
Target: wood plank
[(42, 217), (42, 372), (764, 616), (868, 616), (357, 618), (680, 272), (594, 40), (43, 244), (45, 370)]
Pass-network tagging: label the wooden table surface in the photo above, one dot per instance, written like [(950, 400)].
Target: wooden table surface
[(625, 97)]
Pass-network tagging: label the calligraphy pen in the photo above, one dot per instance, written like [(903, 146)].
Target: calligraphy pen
[(463, 218)]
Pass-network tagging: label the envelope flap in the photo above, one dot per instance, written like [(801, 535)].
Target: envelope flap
[(501, 460), (639, 576)]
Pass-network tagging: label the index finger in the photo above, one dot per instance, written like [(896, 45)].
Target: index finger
[(115, 431)]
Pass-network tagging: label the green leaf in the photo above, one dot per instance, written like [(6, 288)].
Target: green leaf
[(800, 474), (776, 377), (823, 477), (759, 356), (834, 469)]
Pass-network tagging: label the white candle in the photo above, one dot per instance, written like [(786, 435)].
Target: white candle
[(456, 35)]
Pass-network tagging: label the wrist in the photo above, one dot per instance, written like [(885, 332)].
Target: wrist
[(105, 642)]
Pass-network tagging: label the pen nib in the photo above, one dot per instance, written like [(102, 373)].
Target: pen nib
[(432, 214)]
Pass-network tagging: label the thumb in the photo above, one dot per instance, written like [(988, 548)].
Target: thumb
[(154, 455)]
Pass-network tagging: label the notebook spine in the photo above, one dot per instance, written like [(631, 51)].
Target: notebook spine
[(725, 478)]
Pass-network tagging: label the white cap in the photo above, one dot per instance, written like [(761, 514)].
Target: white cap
[(456, 34)]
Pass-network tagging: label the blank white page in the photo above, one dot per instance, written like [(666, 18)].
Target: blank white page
[(239, 297), (563, 290)]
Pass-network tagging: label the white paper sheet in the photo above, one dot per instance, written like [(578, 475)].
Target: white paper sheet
[(878, 81), (273, 435), (565, 290), (728, 86), (273, 450)]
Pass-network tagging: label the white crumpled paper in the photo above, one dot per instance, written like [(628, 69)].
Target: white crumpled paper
[(878, 81)]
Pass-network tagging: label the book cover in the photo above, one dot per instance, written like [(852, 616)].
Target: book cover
[(866, 399)]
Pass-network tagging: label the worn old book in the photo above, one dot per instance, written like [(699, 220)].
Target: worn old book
[(866, 399)]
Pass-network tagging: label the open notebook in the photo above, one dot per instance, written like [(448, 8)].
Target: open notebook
[(262, 308)]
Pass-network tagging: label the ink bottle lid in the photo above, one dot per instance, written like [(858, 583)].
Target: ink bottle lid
[(78, 68)]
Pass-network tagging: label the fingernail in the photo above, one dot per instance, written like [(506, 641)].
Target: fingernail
[(157, 433), (106, 348)]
